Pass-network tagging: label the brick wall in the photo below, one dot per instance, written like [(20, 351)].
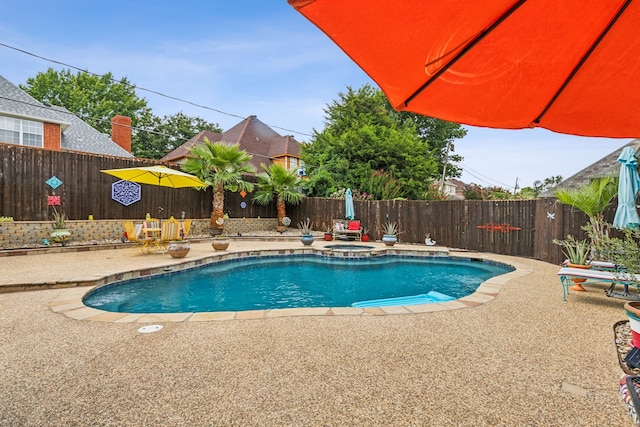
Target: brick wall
[(121, 131), (21, 234), (51, 136)]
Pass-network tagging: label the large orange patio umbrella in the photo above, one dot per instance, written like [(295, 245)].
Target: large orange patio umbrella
[(569, 66)]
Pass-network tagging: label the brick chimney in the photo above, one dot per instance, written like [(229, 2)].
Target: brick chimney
[(121, 131)]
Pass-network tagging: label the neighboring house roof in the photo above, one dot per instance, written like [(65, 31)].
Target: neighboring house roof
[(15, 102), (606, 166), (453, 188), (459, 184), (253, 136), (183, 151), (76, 134), (82, 137)]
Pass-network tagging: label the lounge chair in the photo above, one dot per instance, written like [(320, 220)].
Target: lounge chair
[(134, 235), (600, 276)]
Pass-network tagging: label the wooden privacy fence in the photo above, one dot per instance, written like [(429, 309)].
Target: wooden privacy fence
[(508, 226), (512, 227), (84, 190)]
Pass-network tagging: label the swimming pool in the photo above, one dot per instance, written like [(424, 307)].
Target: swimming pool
[(272, 282)]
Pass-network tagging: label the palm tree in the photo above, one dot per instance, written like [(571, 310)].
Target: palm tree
[(592, 199), (221, 166), (278, 182)]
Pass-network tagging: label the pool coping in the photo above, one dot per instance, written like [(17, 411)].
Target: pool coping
[(69, 302)]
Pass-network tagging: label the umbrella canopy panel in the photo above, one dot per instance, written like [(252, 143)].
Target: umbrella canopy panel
[(157, 175), (569, 66)]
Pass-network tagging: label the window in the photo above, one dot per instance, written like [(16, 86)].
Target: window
[(21, 132)]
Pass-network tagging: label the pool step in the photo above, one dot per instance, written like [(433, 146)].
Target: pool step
[(428, 298)]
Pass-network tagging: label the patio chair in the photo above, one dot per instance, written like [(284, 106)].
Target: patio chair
[(169, 232), (185, 228), (133, 233)]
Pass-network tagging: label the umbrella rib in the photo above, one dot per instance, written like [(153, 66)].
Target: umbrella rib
[(464, 51), (584, 59)]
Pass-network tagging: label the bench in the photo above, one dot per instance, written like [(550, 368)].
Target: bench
[(600, 276), (346, 228)]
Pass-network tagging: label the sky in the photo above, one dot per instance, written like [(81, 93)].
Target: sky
[(224, 61)]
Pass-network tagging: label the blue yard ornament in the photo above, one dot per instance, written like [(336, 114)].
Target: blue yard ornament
[(628, 185), (54, 182), (125, 192)]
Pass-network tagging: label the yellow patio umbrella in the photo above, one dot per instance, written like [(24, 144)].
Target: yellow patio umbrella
[(158, 175)]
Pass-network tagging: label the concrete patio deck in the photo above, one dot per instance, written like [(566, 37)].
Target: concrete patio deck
[(522, 357)]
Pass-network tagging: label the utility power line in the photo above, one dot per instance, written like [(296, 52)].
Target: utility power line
[(145, 89), (476, 173)]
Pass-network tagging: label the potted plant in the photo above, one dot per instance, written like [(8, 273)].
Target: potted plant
[(328, 233), (305, 227), (577, 253), (591, 199), (365, 235), (178, 248), (390, 233), (60, 233), (632, 309), (220, 242)]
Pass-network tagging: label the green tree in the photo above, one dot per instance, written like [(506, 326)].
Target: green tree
[(383, 186), (281, 184), (94, 98), (539, 187), (165, 135), (364, 134), (439, 135), (497, 193), (473, 192), (435, 193), (221, 166)]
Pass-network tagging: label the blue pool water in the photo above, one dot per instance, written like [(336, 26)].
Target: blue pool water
[(293, 281)]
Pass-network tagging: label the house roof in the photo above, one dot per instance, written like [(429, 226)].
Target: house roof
[(183, 151), (253, 136), (606, 166), (76, 134), (15, 102), (82, 137)]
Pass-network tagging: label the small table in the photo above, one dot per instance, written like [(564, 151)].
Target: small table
[(149, 237)]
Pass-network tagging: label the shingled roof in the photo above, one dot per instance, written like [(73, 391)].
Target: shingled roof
[(183, 151), (606, 166), (253, 136), (76, 134)]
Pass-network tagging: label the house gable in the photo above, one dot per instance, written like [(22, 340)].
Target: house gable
[(61, 129), (606, 166), (256, 138)]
